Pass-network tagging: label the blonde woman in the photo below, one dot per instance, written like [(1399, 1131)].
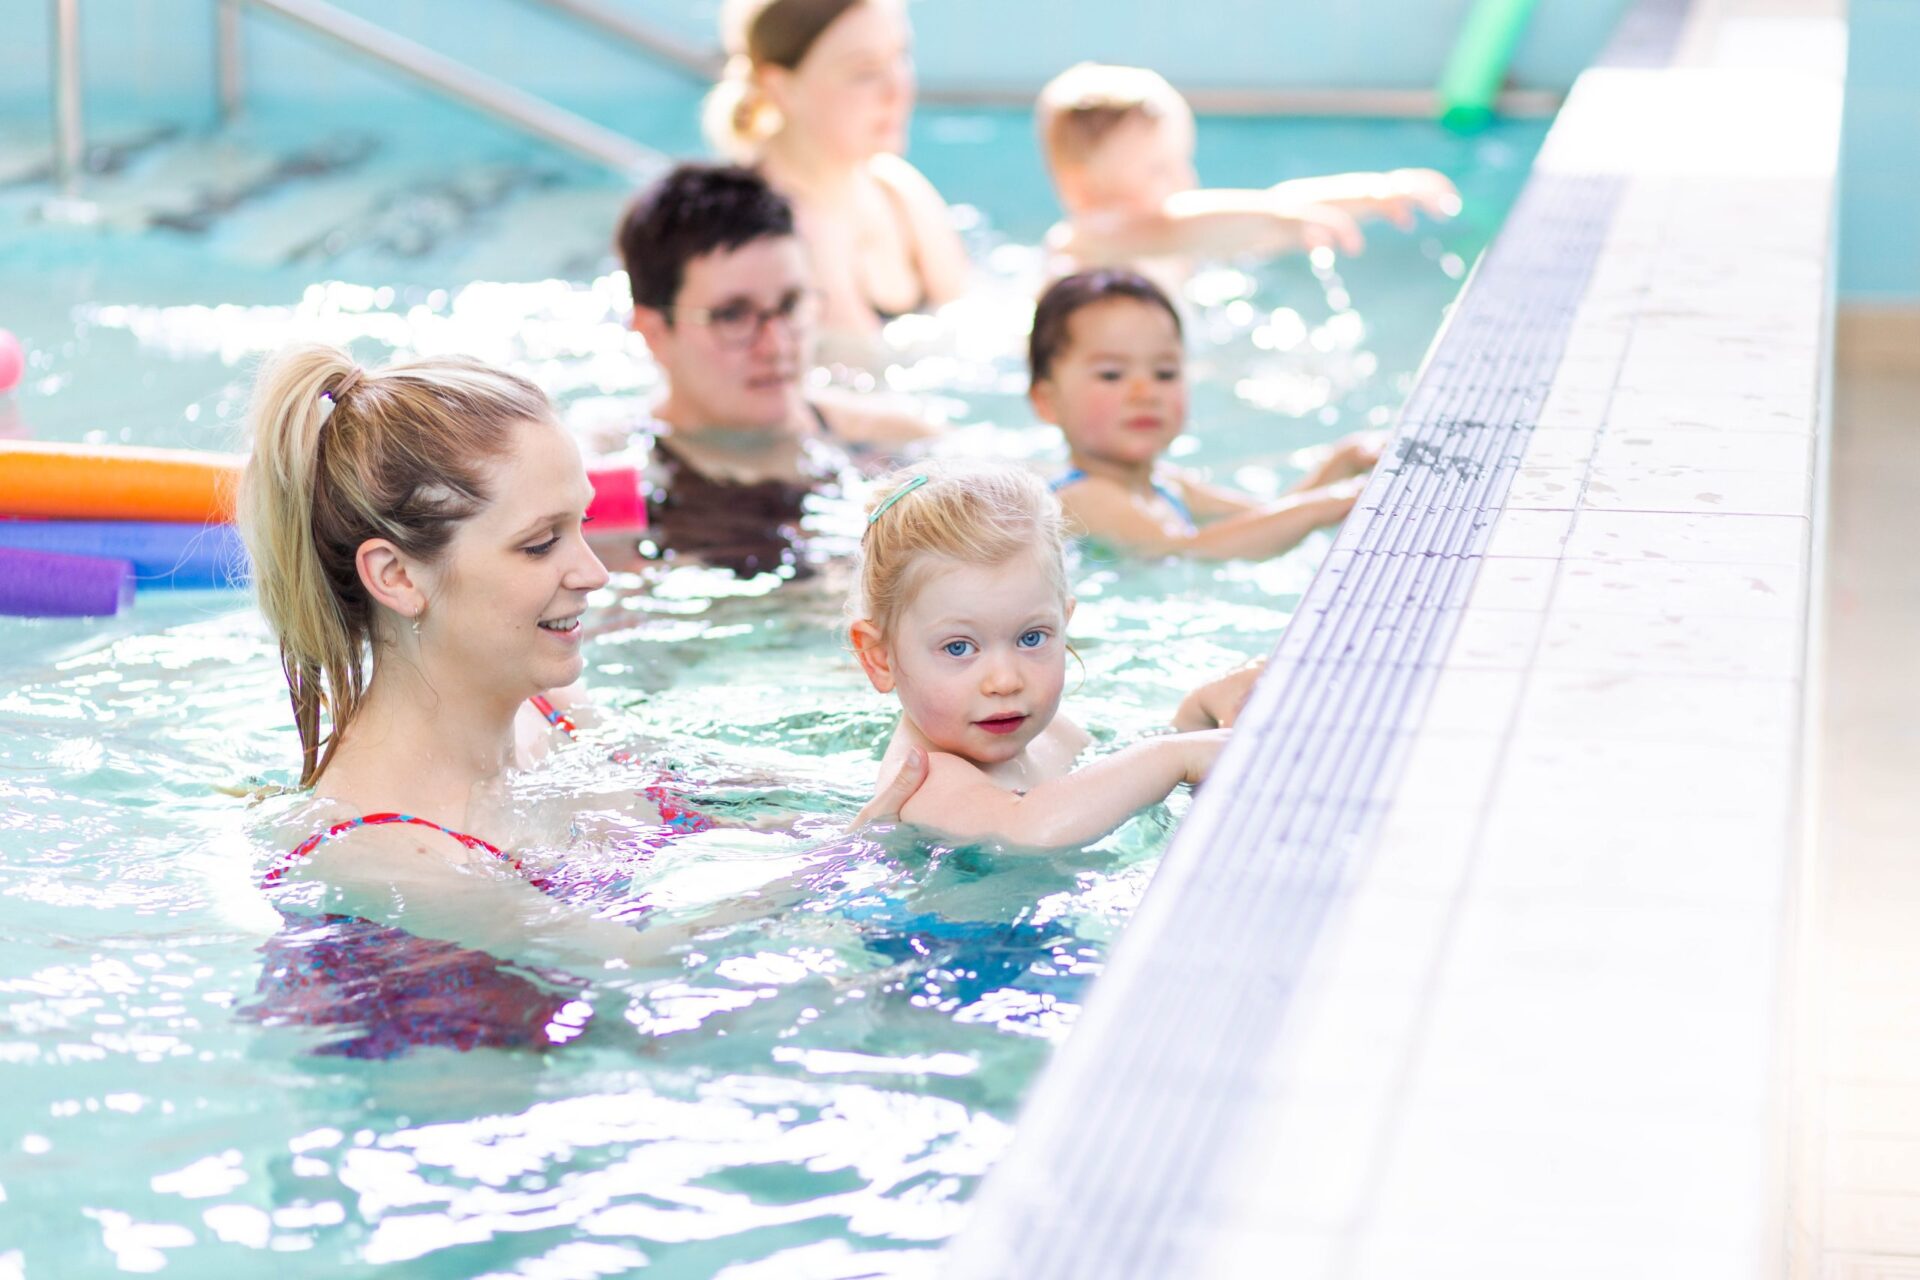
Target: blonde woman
[(817, 94), (417, 540)]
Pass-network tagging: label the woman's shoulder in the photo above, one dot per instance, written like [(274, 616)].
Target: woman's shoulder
[(898, 175)]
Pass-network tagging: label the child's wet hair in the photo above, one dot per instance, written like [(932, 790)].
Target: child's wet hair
[(975, 514), (1065, 297), (1083, 104)]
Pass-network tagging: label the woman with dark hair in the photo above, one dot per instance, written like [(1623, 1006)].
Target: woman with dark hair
[(817, 94)]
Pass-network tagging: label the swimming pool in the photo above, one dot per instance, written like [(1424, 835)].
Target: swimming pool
[(811, 1095)]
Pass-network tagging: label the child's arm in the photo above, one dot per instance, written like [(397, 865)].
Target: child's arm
[(1353, 455), (961, 801), (1216, 704), (1110, 513), (1216, 223), (1395, 196)]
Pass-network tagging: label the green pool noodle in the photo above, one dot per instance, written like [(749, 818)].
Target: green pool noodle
[(1478, 65)]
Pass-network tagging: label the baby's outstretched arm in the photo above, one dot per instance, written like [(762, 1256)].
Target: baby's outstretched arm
[(1216, 223), (1396, 195), (961, 801)]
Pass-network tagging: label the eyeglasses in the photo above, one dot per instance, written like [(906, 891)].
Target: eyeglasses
[(738, 323)]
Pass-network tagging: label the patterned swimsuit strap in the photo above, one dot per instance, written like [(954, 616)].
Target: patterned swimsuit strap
[(672, 811), (314, 841)]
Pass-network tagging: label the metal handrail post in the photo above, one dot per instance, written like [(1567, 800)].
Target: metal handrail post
[(502, 101), (232, 70), (69, 130)]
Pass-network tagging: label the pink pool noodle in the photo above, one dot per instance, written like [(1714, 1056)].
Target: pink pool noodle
[(13, 362), (618, 499), (48, 584)]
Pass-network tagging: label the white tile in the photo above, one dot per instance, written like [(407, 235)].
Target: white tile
[(1724, 451), (1653, 588), (1631, 487), (1647, 708), (1668, 645), (1422, 852), (1471, 702), (1453, 770), (1558, 447), (1690, 537), (1710, 410), (1501, 639), (1585, 779), (1576, 408), (1587, 853), (1546, 488), (1502, 582)]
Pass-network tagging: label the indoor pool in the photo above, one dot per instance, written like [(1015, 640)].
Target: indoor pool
[(810, 1094)]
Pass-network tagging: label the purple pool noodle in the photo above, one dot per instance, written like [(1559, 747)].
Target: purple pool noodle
[(163, 555), (45, 584)]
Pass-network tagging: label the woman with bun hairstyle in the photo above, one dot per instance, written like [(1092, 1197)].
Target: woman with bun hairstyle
[(817, 94), (416, 534)]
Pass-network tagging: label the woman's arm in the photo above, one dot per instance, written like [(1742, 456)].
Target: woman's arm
[(961, 801)]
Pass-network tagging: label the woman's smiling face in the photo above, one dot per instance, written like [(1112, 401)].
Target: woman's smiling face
[(504, 602)]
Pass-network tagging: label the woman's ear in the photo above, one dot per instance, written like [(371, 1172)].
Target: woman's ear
[(773, 84), (388, 578), (871, 649), (1071, 602)]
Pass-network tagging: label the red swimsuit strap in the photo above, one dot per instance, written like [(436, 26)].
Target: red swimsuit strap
[(315, 840), (555, 717)]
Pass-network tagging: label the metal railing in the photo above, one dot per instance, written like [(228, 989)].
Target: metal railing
[(456, 80), (695, 63)]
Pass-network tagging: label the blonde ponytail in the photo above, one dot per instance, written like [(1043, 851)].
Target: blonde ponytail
[(341, 455)]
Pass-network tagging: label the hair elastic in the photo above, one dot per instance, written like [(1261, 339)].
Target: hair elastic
[(896, 495)]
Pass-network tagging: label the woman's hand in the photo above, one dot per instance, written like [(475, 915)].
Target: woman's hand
[(893, 797), (1216, 704)]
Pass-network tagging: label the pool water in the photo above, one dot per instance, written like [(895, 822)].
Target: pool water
[(813, 1093)]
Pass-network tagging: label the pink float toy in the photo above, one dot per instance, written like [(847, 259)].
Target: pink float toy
[(619, 501), (13, 361)]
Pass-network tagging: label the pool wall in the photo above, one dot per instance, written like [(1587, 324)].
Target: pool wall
[(1880, 157)]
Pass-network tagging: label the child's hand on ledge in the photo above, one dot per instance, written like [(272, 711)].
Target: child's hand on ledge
[(1216, 704)]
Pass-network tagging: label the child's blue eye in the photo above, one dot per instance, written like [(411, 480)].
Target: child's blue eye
[(1033, 639), (957, 648)]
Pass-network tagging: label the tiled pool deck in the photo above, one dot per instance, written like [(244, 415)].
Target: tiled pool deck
[(1520, 1003)]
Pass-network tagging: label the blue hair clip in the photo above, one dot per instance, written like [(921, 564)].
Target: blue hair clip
[(896, 495)]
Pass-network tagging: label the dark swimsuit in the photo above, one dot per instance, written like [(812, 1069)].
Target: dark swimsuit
[(747, 528)]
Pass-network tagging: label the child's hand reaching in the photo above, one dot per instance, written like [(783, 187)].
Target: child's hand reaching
[(1325, 226), (1404, 192), (1353, 455), (1216, 704)]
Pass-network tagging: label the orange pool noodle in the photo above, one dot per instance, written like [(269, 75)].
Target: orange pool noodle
[(116, 482)]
